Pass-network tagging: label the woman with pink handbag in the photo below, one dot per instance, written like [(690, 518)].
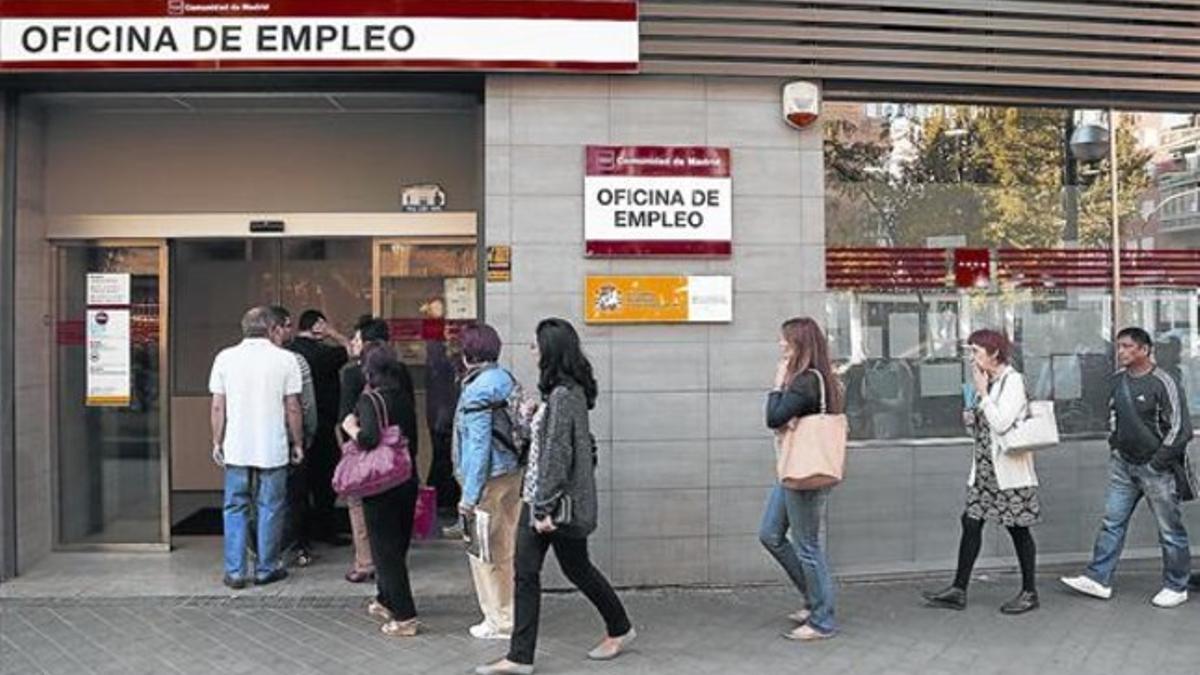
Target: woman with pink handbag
[(805, 386), (379, 468)]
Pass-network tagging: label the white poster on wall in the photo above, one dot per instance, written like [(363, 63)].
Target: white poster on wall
[(108, 357)]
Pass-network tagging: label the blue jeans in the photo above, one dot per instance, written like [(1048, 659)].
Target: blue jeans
[(1127, 484), (255, 507), (802, 558)]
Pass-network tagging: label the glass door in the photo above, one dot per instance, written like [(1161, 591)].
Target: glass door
[(426, 290), (110, 372)]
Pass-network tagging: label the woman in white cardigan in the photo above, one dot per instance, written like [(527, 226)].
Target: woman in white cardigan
[(1002, 487)]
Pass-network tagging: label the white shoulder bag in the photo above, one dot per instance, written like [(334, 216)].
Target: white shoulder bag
[(1035, 429)]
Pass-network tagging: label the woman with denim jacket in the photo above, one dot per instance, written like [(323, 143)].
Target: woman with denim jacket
[(559, 495), (490, 476)]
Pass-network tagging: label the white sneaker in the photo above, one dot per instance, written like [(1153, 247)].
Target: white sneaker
[(1168, 598), (485, 631), (1088, 586), (800, 616)]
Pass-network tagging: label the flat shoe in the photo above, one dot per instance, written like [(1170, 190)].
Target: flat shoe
[(395, 628), (357, 577), (505, 667), (1025, 601), (807, 633), (278, 575), (800, 616), (610, 649), (947, 598), (377, 611)]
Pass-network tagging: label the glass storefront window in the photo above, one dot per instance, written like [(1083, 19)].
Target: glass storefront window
[(944, 219), (1160, 238)]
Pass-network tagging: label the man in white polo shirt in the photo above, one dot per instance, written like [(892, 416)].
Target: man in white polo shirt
[(256, 419)]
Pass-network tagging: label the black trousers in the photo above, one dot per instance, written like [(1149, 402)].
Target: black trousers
[(298, 530), (572, 554), (319, 462), (972, 539), (389, 519), (441, 472)]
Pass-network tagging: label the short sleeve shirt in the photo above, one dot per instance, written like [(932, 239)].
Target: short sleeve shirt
[(255, 376)]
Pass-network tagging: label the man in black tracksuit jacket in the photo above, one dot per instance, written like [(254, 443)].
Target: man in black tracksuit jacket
[(1151, 427)]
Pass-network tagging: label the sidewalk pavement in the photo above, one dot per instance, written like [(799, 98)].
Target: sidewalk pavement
[(884, 630)]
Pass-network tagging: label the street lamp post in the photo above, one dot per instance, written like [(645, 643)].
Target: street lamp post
[(1090, 143), (1116, 218)]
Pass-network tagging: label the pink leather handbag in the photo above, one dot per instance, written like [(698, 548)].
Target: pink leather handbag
[(365, 473)]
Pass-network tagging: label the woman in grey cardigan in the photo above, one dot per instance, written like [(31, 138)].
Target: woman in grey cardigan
[(559, 496)]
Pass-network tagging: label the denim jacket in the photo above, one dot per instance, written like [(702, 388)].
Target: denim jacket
[(476, 458)]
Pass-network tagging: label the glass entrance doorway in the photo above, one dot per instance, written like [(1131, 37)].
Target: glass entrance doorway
[(216, 281), (135, 460), (110, 375)]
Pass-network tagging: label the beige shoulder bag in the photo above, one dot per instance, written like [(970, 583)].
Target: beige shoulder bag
[(812, 449)]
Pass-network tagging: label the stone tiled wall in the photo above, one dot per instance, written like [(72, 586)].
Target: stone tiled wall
[(685, 460), (33, 341)]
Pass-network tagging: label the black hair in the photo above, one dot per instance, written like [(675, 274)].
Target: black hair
[(362, 320), (1138, 335), (381, 367), (373, 330), (281, 314), (562, 359), (309, 318)]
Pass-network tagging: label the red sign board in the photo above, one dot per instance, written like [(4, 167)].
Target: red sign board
[(972, 268), (437, 330), (555, 35)]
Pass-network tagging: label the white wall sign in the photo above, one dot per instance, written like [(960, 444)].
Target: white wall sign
[(108, 357), (108, 289), (177, 34), (658, 201)]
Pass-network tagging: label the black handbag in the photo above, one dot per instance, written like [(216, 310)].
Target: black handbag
[(564, 512)]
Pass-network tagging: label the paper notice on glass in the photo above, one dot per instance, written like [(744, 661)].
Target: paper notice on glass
[(460, 298), (905, 332), (875, 341), (1039, 378), (108, 358), (1038, 333), (943, 334), (108, 290), (1068, 378), (940, 379)]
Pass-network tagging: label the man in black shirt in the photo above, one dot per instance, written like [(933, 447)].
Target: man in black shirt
[(1151, 427), (325, 360)]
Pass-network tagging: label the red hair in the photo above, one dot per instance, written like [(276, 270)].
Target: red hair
[(993, 342)]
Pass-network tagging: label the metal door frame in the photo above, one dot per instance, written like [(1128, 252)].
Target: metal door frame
[(164, 381)]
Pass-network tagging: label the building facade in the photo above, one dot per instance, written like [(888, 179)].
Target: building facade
[(936, 193)]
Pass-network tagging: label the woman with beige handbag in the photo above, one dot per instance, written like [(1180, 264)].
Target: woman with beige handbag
[(810, 446), (1002, 487)]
